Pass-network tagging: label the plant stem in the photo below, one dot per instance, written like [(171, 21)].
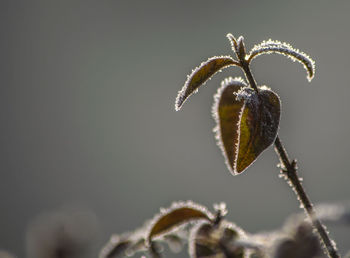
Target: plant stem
[(249, 75), (289, 171)]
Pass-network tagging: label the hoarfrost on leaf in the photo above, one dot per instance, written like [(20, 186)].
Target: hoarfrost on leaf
[(201, 75), (179, 214), (270, 46), (247, 122)]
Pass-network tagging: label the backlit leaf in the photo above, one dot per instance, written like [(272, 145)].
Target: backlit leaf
[(200, 75), (247, 123), (226, 111), (177, 215), (258, 125), (271, 46)]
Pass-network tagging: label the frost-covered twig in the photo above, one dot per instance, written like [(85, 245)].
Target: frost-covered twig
[(289, 171)]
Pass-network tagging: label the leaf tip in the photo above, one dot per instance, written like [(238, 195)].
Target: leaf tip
[(179, 101), (310, 70), (232, 40)]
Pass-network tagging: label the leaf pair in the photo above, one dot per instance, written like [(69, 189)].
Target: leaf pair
[(207, 69), (247, 122)]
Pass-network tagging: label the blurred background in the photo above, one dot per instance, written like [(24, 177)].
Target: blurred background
[(87, 91)]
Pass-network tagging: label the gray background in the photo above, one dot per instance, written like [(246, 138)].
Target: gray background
[(87, 118)]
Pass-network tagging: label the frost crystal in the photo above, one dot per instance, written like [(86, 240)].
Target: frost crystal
[(244, 94)]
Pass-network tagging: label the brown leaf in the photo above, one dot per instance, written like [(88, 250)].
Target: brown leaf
[(200, 75), (247, 122), (178, 214), (226, 111)]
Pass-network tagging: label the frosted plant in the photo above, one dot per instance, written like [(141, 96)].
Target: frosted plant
[(209, 235), (247, 119), (248, 115)]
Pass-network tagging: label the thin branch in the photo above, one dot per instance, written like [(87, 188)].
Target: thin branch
[(290, 172), (248, 74)]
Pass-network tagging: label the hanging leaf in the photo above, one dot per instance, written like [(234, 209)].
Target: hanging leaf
[(200, 75), (209, 241), (226, 112), (270, 46), (247, 122), (177, 215)]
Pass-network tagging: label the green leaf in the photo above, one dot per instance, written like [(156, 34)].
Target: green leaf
[(177, 215), (209, 241), (247, 122), (200, 75)]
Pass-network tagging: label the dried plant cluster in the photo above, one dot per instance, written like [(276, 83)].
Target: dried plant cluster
[(208, 234)]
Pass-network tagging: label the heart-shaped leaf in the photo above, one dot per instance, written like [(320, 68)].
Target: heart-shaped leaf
[(247, 122), (178, 214), (226, 111), (200, 75)]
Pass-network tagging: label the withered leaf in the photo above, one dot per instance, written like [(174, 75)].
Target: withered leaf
[(200, 75), (177, 215), (247, 122)]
